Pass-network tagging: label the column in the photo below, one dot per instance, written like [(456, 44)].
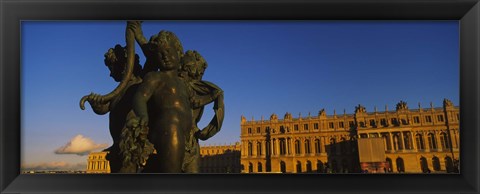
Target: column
[(277, 147), (391, 141), (413, 141), (437, 138)]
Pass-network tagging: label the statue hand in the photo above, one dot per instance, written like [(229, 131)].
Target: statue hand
[(136, 27), (143, 121)]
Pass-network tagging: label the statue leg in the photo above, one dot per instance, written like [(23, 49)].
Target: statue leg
[(170, 146)]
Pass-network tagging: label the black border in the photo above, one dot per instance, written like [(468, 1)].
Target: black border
[(14, 11)]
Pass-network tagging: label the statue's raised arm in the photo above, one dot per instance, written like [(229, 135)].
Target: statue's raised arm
[(130, 48)]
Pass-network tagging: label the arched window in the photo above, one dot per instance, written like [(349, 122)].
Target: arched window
[(297, 147), (307, 146), (389, 163), (283, 167), (419, 141), (309, 166), (436, 163), (320, 167), (386, 141), (250, 149), (400, 165), (283, 147), (432, 144), (259, 166), (259, 148), (444, 141), (317, 146), (250, 167), (397, 142), (424, 165), (449, 164), (299, 167), (407, 141)]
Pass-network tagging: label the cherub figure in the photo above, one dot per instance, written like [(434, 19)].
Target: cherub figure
[(162, 101), (119, 107), (204, 92)]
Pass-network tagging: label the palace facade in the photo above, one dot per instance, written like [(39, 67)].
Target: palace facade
[(414, 141), (97, 163), (220, 158)]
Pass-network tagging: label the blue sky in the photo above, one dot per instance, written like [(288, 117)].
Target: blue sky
[(264, 67)]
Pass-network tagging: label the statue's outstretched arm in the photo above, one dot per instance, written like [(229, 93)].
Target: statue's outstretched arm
[(216, 123)]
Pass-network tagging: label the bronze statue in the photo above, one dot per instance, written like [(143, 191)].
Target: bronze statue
[(160, 107)]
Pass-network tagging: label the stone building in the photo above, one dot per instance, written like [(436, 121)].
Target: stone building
[(220, 158), (97, 163), (415, 140)]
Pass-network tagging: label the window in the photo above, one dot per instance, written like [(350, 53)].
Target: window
[(383, 122), (259, 166), (428, 119), (305, 126), (444, 141), (440, 118), (330, 125), (307, 146), (282, 129), (295, 127), (394, 121), (249, 130), (416, 119), (407, 142), (362, 124), (259, 148), (297, 147), (267, 129), (340, 125), (419, 141), (432, 144), (351, 124), (315, 125), (282, 147), (250, 149), (258, 129), (372, 122), (317, 146)]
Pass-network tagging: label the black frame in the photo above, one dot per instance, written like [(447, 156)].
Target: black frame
[(14, 11)]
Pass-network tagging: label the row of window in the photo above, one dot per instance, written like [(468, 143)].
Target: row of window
[(341, 124), (97, 165), (431, 141), (345, 167), (284, 149)]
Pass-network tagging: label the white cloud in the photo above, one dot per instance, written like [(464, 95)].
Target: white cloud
[(80, 145), (54, 166)]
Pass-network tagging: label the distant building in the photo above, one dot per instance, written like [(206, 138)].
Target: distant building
[(414, 140), (97, 163), (220, 159)]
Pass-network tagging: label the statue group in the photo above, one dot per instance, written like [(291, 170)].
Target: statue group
[(155, 110)]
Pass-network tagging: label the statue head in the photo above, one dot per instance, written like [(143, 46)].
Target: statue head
[(116, 61), (193, 65), (166, 50)]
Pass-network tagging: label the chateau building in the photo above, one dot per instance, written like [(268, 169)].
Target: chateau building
[(220, 159), (97, 163), (414, 141)]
